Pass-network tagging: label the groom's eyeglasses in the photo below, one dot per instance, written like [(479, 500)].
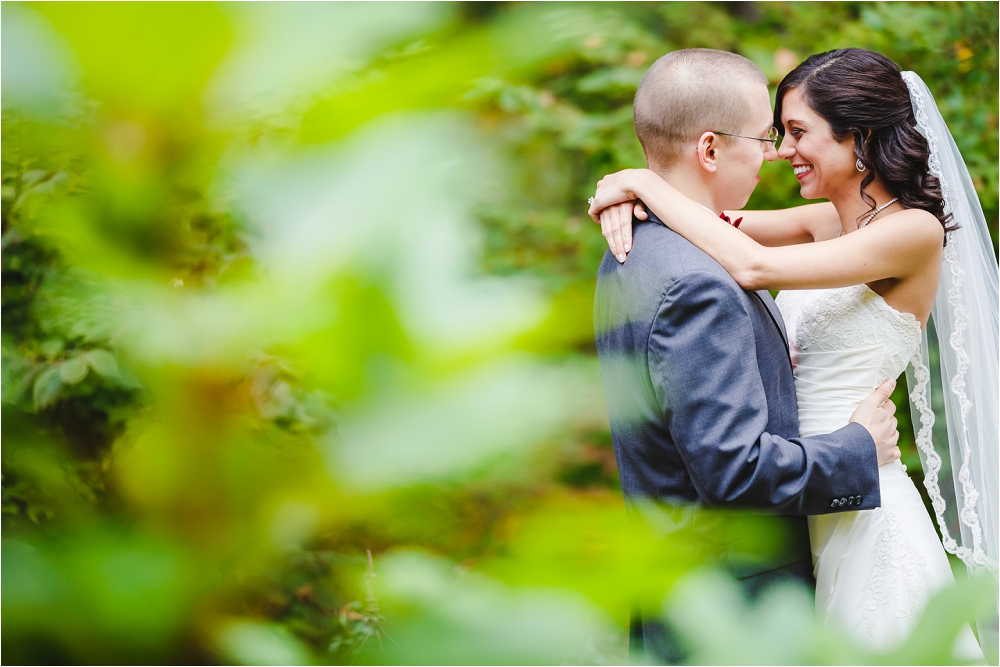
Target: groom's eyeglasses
[(772, 137)]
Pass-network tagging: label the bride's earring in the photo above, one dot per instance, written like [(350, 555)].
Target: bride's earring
[(859, 165)]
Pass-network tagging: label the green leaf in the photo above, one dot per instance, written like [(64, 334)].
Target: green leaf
[(16, 377), (254, 643), (103, 362), (150, 34), (47, 387), (51, 347), (947, 613), (73, 370)]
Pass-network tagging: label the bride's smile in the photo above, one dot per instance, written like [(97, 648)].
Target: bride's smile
[(825, 168), (801, 170)]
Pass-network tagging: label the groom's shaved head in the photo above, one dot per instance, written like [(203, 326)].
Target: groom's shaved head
[(688, 92)]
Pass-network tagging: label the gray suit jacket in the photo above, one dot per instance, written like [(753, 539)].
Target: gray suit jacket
[(701, 395)]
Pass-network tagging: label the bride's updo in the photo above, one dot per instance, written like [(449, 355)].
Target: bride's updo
[(861, 93)]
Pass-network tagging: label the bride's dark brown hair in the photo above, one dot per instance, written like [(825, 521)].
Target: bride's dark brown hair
[(861, 93)]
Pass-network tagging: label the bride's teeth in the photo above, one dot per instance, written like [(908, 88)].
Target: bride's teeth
[(802, 170)]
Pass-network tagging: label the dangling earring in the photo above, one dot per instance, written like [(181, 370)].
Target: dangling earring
[(859, 165)]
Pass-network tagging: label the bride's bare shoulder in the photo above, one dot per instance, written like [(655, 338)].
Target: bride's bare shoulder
[(922, 227)]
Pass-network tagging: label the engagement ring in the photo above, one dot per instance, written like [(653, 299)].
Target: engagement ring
[(591, 201)]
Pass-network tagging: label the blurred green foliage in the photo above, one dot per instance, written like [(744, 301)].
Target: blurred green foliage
[(286, 285)]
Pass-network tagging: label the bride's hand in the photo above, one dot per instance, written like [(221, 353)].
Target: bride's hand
[(616, 226), (621, 186), (613, 206)]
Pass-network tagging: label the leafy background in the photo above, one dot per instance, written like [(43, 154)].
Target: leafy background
[(298, 360)]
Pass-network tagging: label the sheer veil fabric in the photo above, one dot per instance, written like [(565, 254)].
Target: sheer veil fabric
[(961, 472)]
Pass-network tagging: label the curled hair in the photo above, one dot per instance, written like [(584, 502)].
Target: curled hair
[(862, 94)]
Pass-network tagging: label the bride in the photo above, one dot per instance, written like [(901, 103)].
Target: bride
[(860, 277)]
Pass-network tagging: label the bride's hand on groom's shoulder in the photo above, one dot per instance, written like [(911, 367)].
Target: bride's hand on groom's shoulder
[(616, 226), (613, 206), (621, 186)]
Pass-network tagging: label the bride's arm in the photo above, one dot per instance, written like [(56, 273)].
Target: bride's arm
[(914, 236), (788, 226)]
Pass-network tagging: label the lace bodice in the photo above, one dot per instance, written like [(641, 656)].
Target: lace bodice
[(844, 343)]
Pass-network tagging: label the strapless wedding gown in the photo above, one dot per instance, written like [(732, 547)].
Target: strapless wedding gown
[(875, 569)]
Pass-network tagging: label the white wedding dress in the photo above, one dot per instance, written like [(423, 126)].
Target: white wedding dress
[(875, 569)]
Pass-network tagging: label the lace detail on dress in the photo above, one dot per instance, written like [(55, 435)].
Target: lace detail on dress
[(976, 557), (841, 319), (898, 578)]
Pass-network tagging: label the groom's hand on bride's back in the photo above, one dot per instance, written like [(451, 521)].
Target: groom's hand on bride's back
[(876, 413)]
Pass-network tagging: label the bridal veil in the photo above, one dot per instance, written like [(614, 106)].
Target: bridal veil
[(961, 469)]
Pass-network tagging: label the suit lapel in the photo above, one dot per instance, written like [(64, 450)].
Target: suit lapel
[(763, 295), (772, 310)]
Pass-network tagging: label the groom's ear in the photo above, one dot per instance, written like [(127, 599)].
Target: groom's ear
[(708, 148)]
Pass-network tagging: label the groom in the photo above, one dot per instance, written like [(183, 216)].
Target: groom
[(696, 370)]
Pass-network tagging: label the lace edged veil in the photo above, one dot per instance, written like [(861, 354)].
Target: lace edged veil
[(961, 470)]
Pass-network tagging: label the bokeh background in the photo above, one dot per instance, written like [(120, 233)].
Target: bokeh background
[(298, 360)]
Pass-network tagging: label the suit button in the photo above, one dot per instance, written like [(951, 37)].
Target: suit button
[(833, 503), (858, 500), (850, 500), (843, 501)]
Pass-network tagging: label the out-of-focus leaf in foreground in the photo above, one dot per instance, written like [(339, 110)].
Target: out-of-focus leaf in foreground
[(98, 594), (438, 616), (464, 423), (255, 643), (441, 75), (38, 69), (143, 56), (720, 627), (283, 53)]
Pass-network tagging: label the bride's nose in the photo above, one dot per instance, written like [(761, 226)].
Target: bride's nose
[(787, 149)]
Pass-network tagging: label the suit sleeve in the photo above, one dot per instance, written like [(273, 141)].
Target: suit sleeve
[(703, 362)]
